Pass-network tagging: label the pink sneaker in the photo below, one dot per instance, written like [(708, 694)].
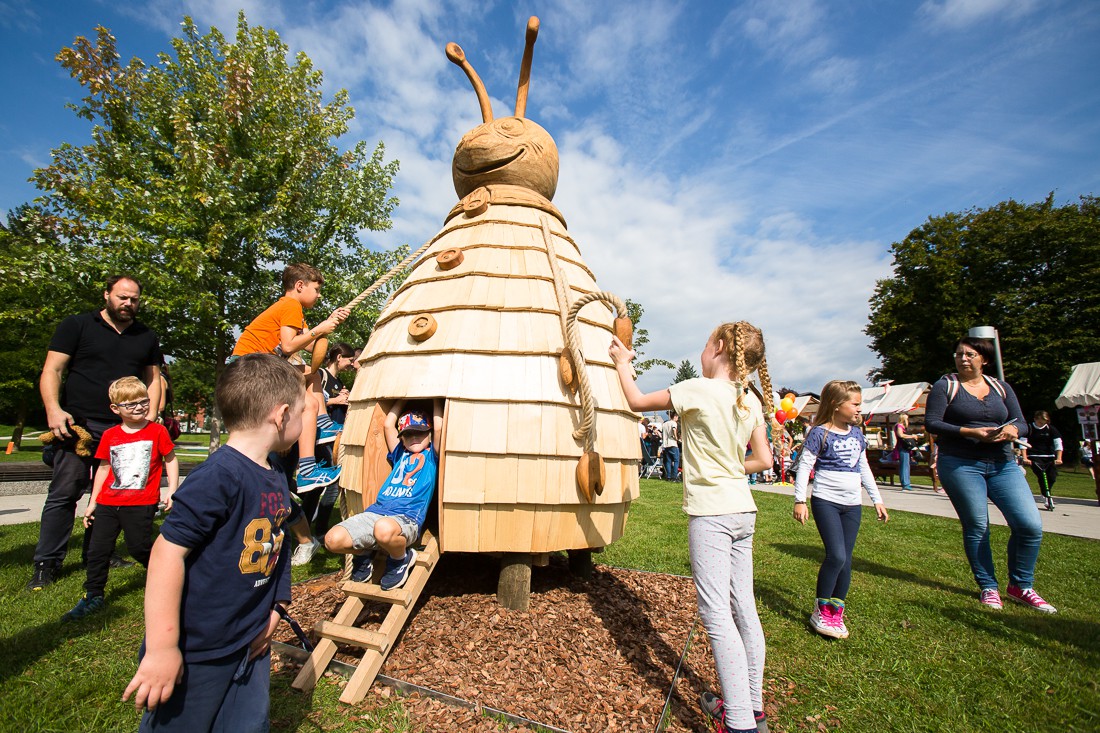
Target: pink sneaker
[(992, 598), (823, 621), (838, 621), (1028, 597)]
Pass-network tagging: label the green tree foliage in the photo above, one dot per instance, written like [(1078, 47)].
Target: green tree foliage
[(206, 173), (48, 282), (685, 372), (1030, 270), (641, 337)]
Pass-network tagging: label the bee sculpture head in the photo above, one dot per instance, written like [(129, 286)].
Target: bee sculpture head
[(510, 150)]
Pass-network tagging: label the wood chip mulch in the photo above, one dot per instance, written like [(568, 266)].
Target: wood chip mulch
[(590, 655)]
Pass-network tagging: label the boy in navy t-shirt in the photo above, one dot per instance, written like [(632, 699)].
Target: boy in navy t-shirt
[(393, 522), (220, 565)]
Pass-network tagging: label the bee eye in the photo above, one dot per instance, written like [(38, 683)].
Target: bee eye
[(511, 126)]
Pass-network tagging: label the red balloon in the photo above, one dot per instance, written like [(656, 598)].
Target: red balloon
[(780, 416)]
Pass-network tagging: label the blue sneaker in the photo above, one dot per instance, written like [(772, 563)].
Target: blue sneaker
[(85, 607), (397, 571), (329, 434), (318, 476), (362, 567)]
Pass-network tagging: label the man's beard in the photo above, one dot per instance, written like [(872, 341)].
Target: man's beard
[(125, 314)]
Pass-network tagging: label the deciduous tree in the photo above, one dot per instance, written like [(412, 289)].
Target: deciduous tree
[(1030, 270), (207, 172)]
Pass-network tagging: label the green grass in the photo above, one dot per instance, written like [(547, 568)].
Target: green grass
[(31, 450), (923, 655)]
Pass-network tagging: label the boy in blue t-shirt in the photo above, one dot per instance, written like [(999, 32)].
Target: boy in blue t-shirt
[(393, 522), (220, 565)]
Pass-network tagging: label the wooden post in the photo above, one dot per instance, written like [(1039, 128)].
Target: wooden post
[(514, 586), (580, 563)]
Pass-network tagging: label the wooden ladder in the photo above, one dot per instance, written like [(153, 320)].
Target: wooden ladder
[(377, 643)]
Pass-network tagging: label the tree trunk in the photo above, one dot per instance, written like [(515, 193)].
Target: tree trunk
[(514, 586)]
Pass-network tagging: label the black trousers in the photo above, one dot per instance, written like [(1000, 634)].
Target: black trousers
[(72, 477), (1046, 472), (135, 522)]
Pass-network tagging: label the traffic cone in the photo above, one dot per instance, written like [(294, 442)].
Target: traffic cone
[(11, 447)]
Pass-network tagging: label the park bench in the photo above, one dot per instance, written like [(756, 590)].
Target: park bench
[(889, 470)]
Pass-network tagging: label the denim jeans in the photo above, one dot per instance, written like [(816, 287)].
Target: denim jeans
[(838, 525), (903, 468), (971, 484), (672, 464), (231, 694)]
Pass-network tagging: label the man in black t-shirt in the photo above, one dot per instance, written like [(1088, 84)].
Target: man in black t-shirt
[(95, 348)]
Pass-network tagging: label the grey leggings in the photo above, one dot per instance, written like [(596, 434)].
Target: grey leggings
[(721, 562)]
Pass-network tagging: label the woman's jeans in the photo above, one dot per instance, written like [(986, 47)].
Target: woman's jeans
[(970, 484), (903, 468)]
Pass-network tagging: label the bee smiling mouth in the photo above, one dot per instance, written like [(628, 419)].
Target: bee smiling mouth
[(492, 166)]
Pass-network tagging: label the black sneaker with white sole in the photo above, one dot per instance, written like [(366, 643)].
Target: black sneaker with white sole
[(397, 571)]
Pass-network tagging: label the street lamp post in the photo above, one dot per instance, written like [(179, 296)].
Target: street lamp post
[(989, 332)]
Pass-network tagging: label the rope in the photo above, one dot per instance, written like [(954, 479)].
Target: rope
[(568, 317), (559, 277), (586, 431), (397, 269)]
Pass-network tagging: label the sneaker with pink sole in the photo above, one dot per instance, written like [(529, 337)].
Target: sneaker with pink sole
[(991, 597), (1028, 597)]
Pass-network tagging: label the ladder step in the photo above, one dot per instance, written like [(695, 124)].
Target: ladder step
[(374, 592), (352, 635)]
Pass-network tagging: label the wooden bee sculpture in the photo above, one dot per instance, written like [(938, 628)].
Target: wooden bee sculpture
[(537, 455)]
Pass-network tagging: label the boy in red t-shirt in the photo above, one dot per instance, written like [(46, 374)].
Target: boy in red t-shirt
[(126, 488)]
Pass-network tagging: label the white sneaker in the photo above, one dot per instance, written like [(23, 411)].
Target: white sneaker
[(304, 552)]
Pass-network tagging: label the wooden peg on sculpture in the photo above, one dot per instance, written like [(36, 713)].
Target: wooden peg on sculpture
[(423, 327), (624, 331)]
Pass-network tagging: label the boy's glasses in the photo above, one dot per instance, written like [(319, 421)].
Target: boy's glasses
[(133, 406)]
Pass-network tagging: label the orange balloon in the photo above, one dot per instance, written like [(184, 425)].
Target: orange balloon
[(790, 396), (791, 413)]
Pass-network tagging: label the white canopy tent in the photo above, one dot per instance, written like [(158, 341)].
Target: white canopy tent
[(1083, 387), (878, 402)]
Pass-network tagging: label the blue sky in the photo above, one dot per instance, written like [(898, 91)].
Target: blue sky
[(719, 160)]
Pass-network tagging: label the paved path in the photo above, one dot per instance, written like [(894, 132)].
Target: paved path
[(1076, 517)]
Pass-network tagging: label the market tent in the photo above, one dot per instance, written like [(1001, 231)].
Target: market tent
[(806, 405), (895, 398), (1083, 387)]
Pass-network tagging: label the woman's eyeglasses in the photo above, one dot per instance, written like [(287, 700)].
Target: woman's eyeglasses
[(966, 355)]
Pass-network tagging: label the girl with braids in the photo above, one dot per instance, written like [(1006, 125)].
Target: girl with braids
[(837, 449), (719, 417)]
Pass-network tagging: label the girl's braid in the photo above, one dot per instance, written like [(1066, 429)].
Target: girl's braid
[(766, 388), (739, 366)]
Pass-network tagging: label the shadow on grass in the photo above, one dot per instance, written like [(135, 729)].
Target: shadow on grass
[(859, 565), (23, 649), (289, 707), (1080, 639)]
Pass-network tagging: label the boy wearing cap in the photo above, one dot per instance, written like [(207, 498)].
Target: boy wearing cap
[(393, 522)]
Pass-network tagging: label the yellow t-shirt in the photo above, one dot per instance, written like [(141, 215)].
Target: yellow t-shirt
[(715, 433), (262, 335)]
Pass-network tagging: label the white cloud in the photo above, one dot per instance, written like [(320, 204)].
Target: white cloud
[(958, 14)]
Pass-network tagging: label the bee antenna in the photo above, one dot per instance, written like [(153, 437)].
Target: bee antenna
[(458, 57), (525, 67)]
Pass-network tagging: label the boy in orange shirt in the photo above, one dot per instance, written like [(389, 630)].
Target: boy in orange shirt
[(282, 330)]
